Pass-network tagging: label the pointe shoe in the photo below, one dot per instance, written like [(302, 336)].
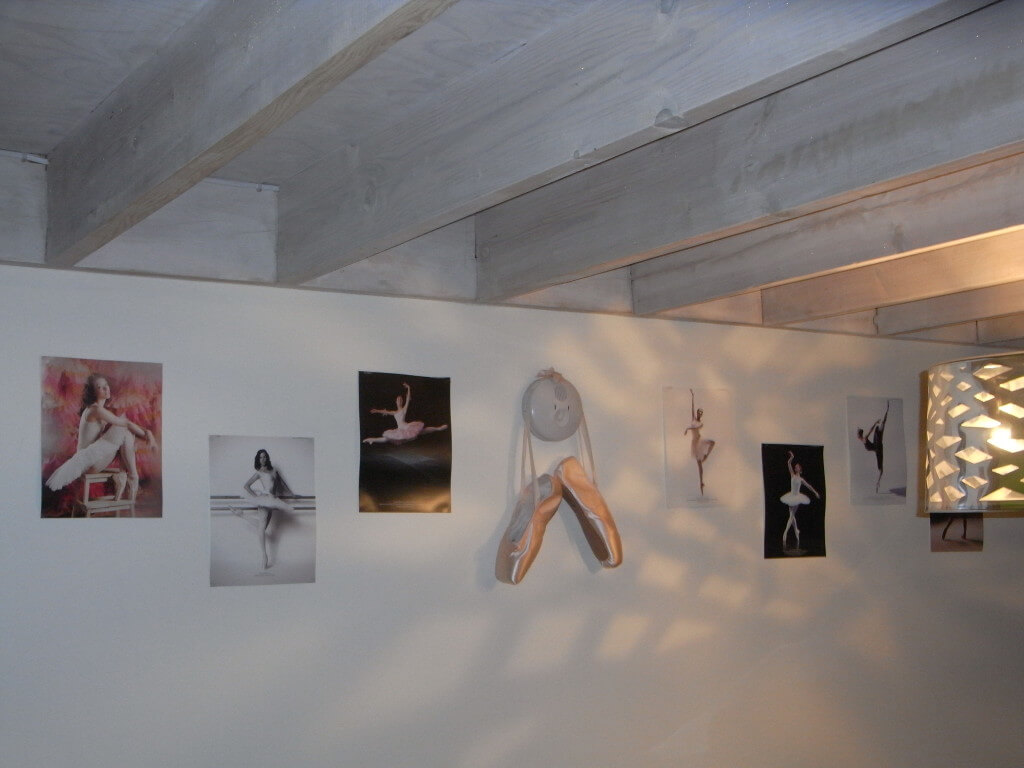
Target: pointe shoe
[(521, 542), (592, 512), (133, 488), (120, 481)]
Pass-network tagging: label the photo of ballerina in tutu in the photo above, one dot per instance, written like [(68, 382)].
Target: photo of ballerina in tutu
[(101, 425), (794, 500), (405, 449)]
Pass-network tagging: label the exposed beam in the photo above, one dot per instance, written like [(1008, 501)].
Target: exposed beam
[(945, 100), (996, 330), (607, 292), (961, 307), (962, 333), (743, 308), (964, 266), (225, 79), (858, 323), (609, 79), (439, 265), (951, 207)]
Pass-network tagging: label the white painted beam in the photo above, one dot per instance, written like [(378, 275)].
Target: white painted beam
[(231, 75), (213, 230), (22, 210), (743, 308), (439, 265), (963, 307), (995, 330), (945, 100), (962, 333), (857, 323), (610, 79), (968, 265), (607, 292), (951, 207)]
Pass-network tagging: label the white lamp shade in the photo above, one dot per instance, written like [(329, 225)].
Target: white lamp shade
[(974, 435)]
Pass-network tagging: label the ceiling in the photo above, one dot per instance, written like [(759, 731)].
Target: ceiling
[(848, 167)]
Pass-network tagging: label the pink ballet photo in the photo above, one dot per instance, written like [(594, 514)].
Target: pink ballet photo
[(101, 432), (405, 455)]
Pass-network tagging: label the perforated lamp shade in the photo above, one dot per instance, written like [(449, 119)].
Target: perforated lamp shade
[(974, 435)]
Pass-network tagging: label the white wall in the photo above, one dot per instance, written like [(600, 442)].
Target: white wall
[(406, 651)]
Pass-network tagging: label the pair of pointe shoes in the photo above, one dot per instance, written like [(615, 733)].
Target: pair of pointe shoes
[(521, 542)]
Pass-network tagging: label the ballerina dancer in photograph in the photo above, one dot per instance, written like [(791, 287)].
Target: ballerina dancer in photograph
[(700, 448), (102, 435), (872, 441), (949, 522), (404, 431), (795, 497), (265, 488)]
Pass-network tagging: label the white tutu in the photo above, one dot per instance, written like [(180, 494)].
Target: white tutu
[(794, 498), (95, 456)]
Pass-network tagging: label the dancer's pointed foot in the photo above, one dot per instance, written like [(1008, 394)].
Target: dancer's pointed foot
[(120, 481), (133, 487)]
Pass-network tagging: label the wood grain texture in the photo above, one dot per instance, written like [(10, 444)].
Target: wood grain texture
[(440, 264), (467, 38), (951, 207), (184, 239), (22, 210), (966, 306), (231, 75), (973, 264), (606, 81), (60, 58), (939, 102)]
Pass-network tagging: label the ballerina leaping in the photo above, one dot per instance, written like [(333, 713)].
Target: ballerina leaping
[(404, 431)]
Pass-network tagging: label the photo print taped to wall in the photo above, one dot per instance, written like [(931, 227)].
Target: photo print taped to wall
[(878, 451), (405, 457), (794, 500), (101, 435), (700, 449), (262, 511), (956, 531)]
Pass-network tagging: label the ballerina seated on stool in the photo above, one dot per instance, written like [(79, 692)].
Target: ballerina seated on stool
[(102, 435)]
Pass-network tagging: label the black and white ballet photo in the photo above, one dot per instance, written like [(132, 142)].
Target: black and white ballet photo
[(878, 451), (957, 532), (405, 457), (101, 432), (262, 511), (794, 500), (699, 447)]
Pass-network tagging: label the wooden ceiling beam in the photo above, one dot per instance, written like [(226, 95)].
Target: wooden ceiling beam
[(968, 265), (942, 101), (996, 330), (951, 207), (966, 306), (608, 79), (235, 72)]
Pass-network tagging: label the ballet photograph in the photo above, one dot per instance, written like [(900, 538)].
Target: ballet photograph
[(794, 500), (957, 532), (699, 447), (405, 456), (262, 511), (878, 451), (101, 431)]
